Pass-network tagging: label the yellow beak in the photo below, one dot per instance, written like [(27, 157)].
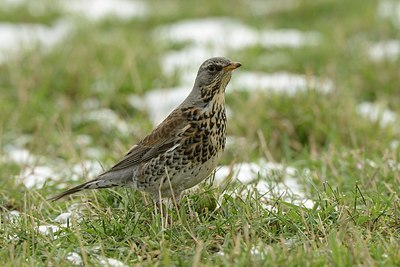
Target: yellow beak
[(232, 66)]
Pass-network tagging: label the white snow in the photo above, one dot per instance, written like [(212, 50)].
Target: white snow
[(377, 113), (160, 102), (385, 50), (48, 229), (36, 176), (74, 258), (12, 216), (209, 37), (227, 33), (280, 82), (260, 176), (204, 38), (177, 61), (394, 144), (18, 155), (36, 170), (107, 118), (100, 9), (111, 262), (14, 37), (74, 213), (63, 218), (390, 9), (87, 168)]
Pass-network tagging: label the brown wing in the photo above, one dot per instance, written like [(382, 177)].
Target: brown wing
[(158, 141)]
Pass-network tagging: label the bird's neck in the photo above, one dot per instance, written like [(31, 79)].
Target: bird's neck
[(215, 104)]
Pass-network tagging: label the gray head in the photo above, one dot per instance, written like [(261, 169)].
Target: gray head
[(212, 78)]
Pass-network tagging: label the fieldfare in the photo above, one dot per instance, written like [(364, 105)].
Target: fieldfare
[(184, 149)]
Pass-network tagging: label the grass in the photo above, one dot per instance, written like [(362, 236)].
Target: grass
[(353, 175)]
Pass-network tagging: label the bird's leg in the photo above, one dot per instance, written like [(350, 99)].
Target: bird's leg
[(176, 197), (175, 194)]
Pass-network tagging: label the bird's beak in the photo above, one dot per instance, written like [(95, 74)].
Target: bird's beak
[(232, 66)]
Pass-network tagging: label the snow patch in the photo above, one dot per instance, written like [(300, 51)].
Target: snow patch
[(87, 168), (390, 9), (12, 216), (36, 176), (227, 33), (74, 258), (107, 119), (377, 113), (48, 229), (14, 37), (255, 175), (18, 155), (280, 82), (100, 9), (111, 262), (385, 50), (216, 36), (160, 102)]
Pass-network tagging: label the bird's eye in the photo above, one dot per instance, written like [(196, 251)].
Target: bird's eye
[(211, 68)]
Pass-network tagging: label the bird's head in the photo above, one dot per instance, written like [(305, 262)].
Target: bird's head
[(213, 76)]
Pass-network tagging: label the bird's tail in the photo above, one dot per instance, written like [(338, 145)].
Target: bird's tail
[(102, 181)]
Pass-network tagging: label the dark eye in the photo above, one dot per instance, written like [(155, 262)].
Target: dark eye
[(211, 68)]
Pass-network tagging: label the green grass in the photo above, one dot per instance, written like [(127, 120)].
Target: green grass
[(353, 175)]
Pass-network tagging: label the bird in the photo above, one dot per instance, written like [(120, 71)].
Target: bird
[(183, 150)]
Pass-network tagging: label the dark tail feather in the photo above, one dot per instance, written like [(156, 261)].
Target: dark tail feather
[(105, 180), (93, 184)]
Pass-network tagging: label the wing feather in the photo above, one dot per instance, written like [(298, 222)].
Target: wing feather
[(161, 139)]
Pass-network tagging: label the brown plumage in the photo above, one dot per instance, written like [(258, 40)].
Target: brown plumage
[(184, 149)]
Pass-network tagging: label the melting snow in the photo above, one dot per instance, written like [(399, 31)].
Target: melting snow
[(160, 102), (174, 61), (74, 258), (63, 218), (215, 36), (228, 33), (48, 229), (111, 262), (394, 144), (34, 173), (389, 50), (391, 10), (12, 216), (99, 9), (35, 177), (281, 82), (87, 168), (106, 118), (74, 212), (16, 36), (248, 173), (377, 113), (18, 155)]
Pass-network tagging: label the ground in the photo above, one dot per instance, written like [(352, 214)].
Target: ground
[(310, 176)]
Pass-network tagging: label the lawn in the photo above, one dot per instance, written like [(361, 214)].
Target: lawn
[(310, 175)]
